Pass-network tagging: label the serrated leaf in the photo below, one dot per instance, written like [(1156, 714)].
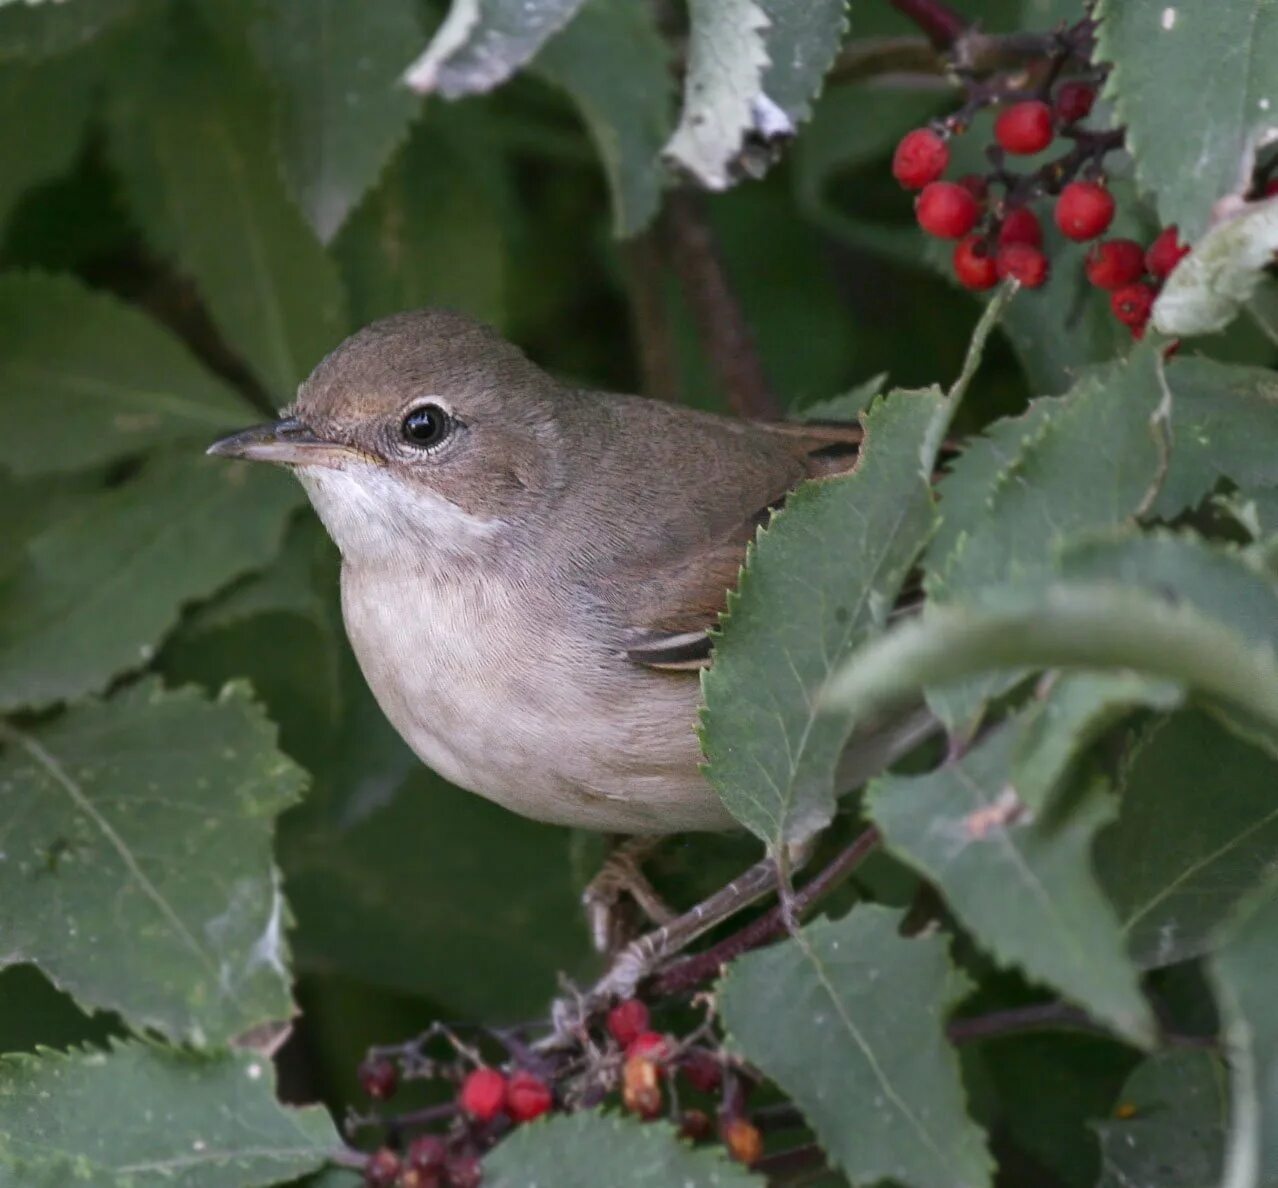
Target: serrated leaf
[(1191, 155), (431, 233), (195, 154), (614, 63), (342, 109), (69, 355), (1209, 286), (483, 42), (848, 407), (1022, 883), (106, 581), (44, 29), (1170, 1133), (834, 559), (53, 99), (141, 1116), (138, 874), (569, 1151), (848, 1018), (1197, 831), (802, 41), (1243, 972)]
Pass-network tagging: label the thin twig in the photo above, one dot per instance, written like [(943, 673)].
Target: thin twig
[(942, 25)]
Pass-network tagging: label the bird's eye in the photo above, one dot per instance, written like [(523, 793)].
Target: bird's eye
[(426, 425)]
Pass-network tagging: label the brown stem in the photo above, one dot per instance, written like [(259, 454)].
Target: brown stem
[(689, 972), (650, 316), (721, 322), (942, 25)]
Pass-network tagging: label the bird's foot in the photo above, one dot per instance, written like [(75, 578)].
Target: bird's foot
[(619, 893)]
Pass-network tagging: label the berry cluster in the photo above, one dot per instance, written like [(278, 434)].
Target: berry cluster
[(623, 1055)]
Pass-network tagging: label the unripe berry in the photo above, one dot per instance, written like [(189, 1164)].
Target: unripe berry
[(427, 1153), (641, 1087), (1113, 263), (379, 1078), (412, 1177), (1024, 128), (382, 1169), (701, 1070), (974, 264), (946, 210), (1165, 253), (695, 1126), (483, 1094), (743, 1140), (626, 1020), (464, 1171), (1073, 101), (1021, 226), (1084, 210), (976, 185), (1132, 303), (1023, 263), (528, 1097), (921, 157)]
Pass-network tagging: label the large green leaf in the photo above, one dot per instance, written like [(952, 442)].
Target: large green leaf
[(1189, 155), (188, 130), (342, 108), (613, 62), (141, 1116), (138, 874), (431, 233), (1245, 971), (1170, 1128), (573, 1151), (40, 29), (483, 42), (848, 1018), (104, 582), (86, 379), (820, 579), (1022, 883), (1198, 830)]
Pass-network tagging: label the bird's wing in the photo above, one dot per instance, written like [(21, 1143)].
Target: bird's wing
[(673, 607)]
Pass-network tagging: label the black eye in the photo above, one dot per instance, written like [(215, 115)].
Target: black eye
[(426, 425)]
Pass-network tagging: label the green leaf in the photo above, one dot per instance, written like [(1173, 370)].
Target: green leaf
[(342, 109), (1197, 831), (138, 871), (851, 406), (483, 42), (614, 63), (1174, 1136), (1190, 155), (1221, 274), (46, 28), (819, 580), (1021, 882), (754, 66), (431, 233), (569, 1151), (105, 582), (69, 355), (187, 131), (848, 1018), (53, 99), (142, 1116)]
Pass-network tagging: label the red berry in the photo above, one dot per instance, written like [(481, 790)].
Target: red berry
[(946, 210), (1084, 210), (382, 1169), (976, 185), (1021, 226), (465, 1171), (1074, 101), (921, 157), (1271, 188), (483, 1094), (974, 263), (626, 1020), (647, 1045), (379, 1078), (528, 1097), (1113, 263), (427, 1153), (1024, 263), (699, 1068), (1165, 253), (1132, 303), (1024, 128)]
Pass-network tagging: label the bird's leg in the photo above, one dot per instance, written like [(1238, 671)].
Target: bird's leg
[(622, 876)]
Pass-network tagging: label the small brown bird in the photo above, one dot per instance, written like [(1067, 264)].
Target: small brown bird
[(530, 570)]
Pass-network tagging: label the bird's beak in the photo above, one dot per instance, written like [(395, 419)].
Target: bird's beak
[(286, 442)]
